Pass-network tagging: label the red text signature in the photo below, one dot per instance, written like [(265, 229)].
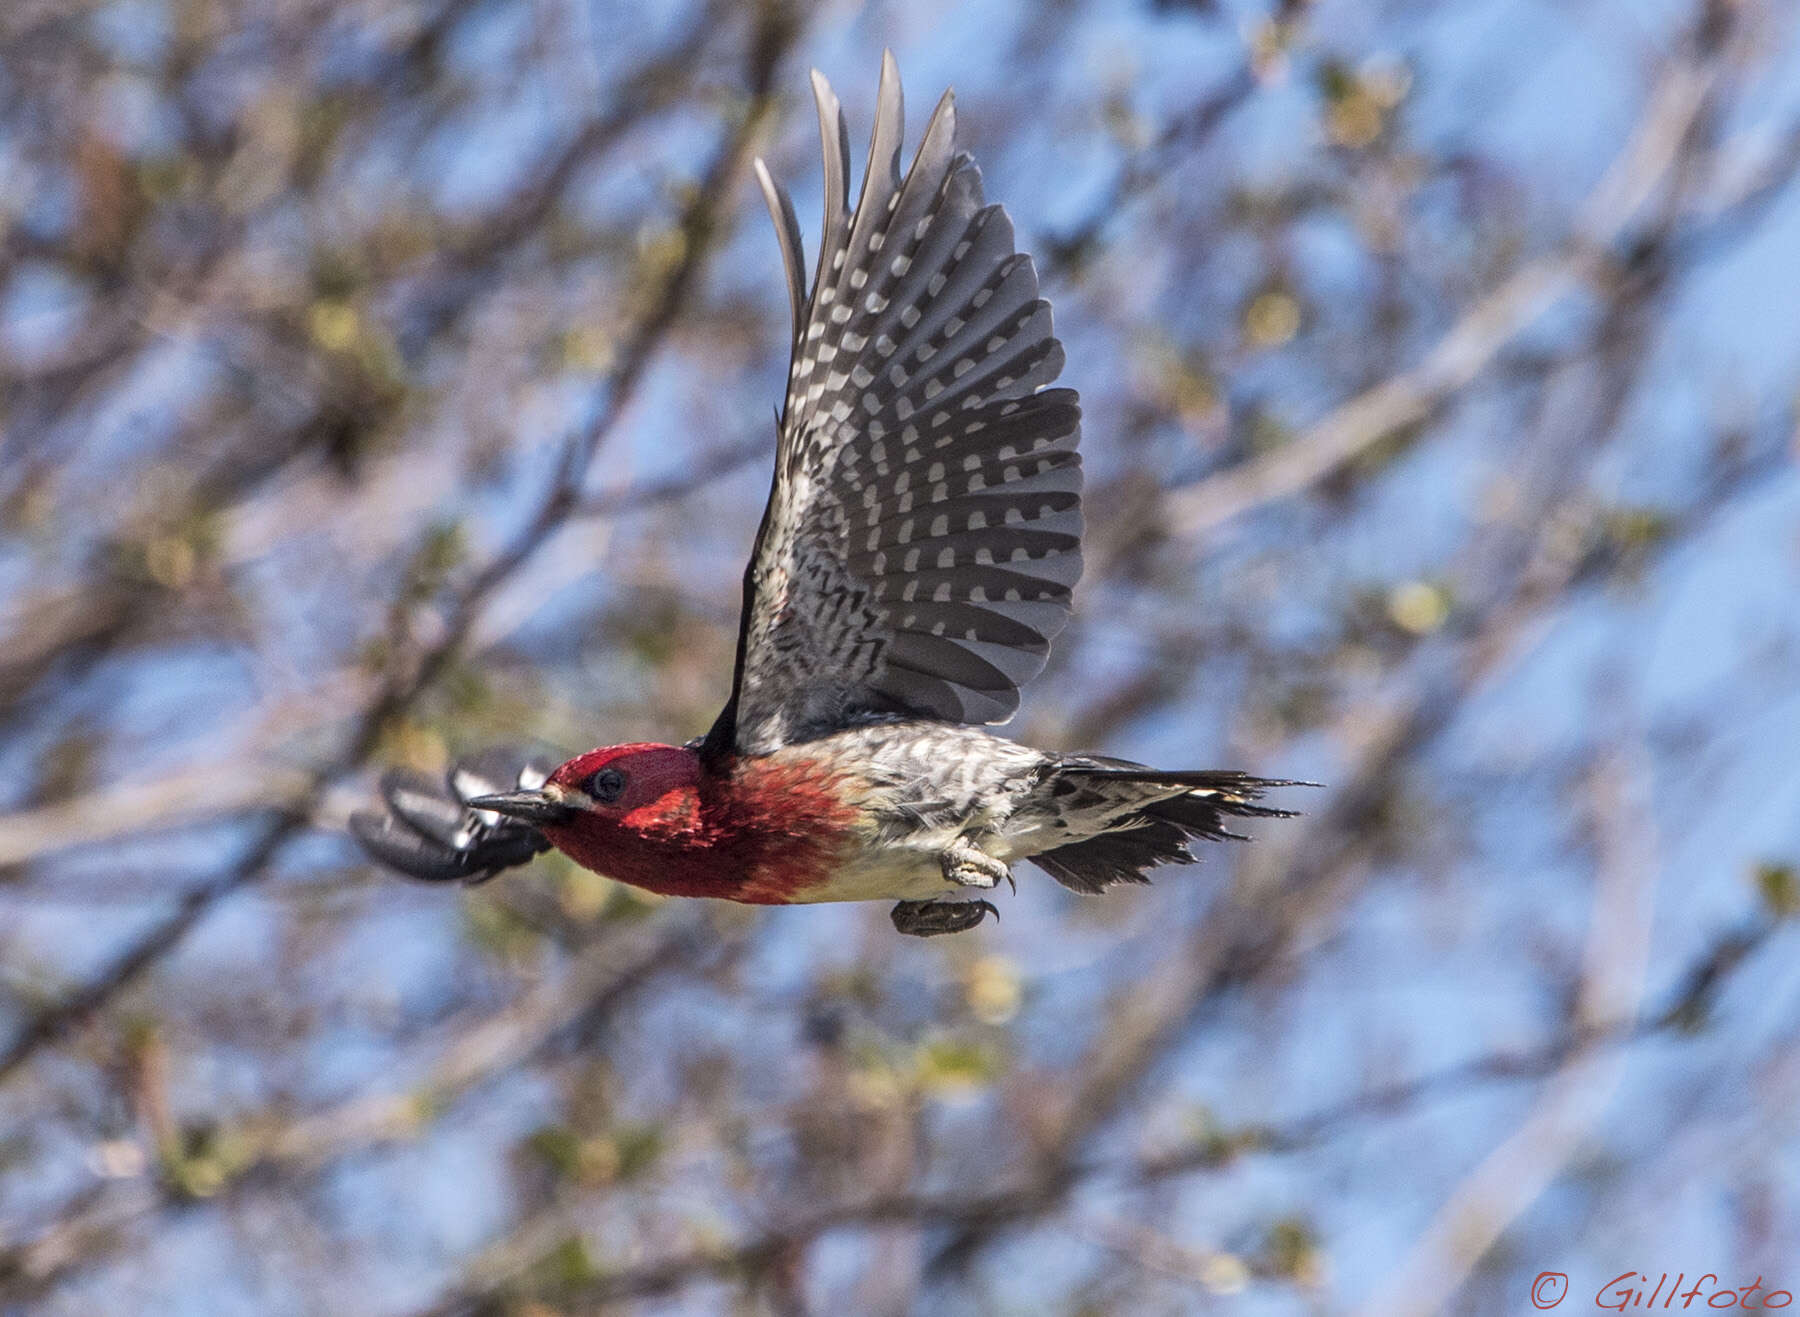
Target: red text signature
[(1634, 1290)]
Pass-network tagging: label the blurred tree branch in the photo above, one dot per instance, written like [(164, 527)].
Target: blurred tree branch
[(1641, 169), (602, 978), (1517, 1171), (409, 671), (493, 1279)]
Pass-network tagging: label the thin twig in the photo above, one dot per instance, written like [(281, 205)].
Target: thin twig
[(1480, 333), (409, 676), (1523, 1165)]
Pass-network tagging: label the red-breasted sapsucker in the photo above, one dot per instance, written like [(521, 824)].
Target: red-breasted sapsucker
[(914, 562)]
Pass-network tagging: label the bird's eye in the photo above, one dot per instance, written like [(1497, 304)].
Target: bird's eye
[(606, 786)]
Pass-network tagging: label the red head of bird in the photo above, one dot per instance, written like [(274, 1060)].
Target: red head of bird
[(652, 816)]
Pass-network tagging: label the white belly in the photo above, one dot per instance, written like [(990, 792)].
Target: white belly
[(894, 875), (899, 873)]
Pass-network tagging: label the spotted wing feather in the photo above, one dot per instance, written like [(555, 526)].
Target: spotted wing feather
[(429, 832), (923, 531)]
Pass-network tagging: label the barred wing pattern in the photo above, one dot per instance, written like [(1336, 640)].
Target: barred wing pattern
[(429, 831), (923, 531)]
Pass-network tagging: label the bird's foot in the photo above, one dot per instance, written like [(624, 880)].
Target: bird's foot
[(967, 866), (930, 918)]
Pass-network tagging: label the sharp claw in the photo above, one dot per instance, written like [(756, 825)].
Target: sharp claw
[(935, 918)]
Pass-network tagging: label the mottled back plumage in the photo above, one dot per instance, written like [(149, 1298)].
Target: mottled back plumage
[(923, 530)]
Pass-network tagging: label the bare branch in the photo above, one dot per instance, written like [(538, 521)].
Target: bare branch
[(1512, 1177), (411, 674), (1471, 344)]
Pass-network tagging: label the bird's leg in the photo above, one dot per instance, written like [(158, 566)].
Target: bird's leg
[(967, 865), (930, 918), (964, 865)]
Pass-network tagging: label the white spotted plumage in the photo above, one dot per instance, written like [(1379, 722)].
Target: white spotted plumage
[(923, 531), (919, 789)]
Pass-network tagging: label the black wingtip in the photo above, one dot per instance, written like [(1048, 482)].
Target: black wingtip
[(405, 852), (428, 831), (419, 802)]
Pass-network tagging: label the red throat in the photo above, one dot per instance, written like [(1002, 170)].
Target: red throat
[(759, 831)]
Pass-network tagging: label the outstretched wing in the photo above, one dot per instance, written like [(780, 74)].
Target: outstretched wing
[(924, 527), (429, 832)]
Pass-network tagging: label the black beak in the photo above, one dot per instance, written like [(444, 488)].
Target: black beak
[(538, 807)]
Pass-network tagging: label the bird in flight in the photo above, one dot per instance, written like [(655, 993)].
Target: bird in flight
[(914, 562)]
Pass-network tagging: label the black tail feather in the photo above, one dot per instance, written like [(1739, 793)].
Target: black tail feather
[(1226, 780), (1158, 832), (1092, 866)]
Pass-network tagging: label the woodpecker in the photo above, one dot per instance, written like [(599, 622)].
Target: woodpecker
[(913, 564)]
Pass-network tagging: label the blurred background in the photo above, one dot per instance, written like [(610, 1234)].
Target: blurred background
[(382, 380)]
